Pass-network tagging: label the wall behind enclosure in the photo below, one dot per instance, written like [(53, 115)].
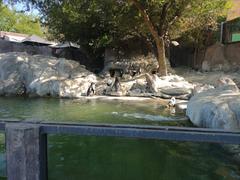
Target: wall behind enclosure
[(222, 57)]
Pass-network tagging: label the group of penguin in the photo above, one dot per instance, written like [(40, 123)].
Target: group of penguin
[(91, 91)]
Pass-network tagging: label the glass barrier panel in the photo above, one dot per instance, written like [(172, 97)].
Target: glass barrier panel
[(101, 158), (2, 157)]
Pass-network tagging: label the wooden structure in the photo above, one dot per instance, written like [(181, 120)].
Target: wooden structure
[(231, 31)]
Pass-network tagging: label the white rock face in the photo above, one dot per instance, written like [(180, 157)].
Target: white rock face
[(201, 88), (216, 108), (43, 76), (171, 85)]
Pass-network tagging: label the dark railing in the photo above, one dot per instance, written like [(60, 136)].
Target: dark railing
[(26, 142)]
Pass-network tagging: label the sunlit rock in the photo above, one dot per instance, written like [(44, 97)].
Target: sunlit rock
[(43, 76), (216, 108), (169, 86)]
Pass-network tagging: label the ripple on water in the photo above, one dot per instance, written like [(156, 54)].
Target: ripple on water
[(149, 117)]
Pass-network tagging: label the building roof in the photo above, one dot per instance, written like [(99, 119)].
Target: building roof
[(4, 33), (24, 38), (234, 11), (66, 45), (36, 39), (12, 36)]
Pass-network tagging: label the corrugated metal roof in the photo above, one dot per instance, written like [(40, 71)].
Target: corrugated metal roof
[(4, 33), (37, 39), (66, 45)]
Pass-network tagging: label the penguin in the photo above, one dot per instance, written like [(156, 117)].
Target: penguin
[(91, 89), (172, 102), (117, 84)]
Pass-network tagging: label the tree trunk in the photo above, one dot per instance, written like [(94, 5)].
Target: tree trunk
[(162, 69), (162, 66)]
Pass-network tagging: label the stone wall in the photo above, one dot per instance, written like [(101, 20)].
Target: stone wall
[(130, 55), (222, 57), (115, 60)]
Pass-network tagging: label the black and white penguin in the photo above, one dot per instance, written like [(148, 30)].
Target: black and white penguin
[(172, 102), (91, 89)]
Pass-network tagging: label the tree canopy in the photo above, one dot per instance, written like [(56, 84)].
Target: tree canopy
[(18, 22), (96, 24)]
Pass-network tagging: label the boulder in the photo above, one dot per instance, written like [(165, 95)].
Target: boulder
[(43, 76), (181, 107), (226, 83), (216, 108), (169, 86), (152, 83), (176, 91), (219, 109), (201, 88)]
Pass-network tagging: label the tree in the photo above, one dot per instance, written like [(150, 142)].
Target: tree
[(96, 24), (170, 11), (18, 22), (162, 69)]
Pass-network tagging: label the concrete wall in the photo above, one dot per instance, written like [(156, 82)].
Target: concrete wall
[(232, 53), (222, 57)]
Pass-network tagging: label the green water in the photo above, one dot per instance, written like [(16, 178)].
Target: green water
[(86, 111), (106, 158)]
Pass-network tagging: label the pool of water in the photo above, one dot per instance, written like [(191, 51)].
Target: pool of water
[(101, 158), (87, 111), (98, 158)]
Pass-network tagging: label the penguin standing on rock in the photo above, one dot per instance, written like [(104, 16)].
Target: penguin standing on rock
[(91, 89), (171, 105), (172, 102)]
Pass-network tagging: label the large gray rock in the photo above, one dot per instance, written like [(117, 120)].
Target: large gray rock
[(216, 108), (176, 91), (42, 76), (169, 86), (219, 109)]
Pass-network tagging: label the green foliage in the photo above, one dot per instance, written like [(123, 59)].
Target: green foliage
[(18, 22), (96, 24), (200, 23)]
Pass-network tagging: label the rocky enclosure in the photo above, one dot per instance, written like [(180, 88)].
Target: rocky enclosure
[(23, 74), (39, 75), (209, 106)]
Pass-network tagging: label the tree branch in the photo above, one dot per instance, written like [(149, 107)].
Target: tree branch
[(146, 18), (163, 17)]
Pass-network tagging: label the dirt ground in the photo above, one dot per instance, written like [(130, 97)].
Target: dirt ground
[(206, 77)]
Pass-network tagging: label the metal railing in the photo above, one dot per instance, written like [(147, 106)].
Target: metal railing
[(26, 142)]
